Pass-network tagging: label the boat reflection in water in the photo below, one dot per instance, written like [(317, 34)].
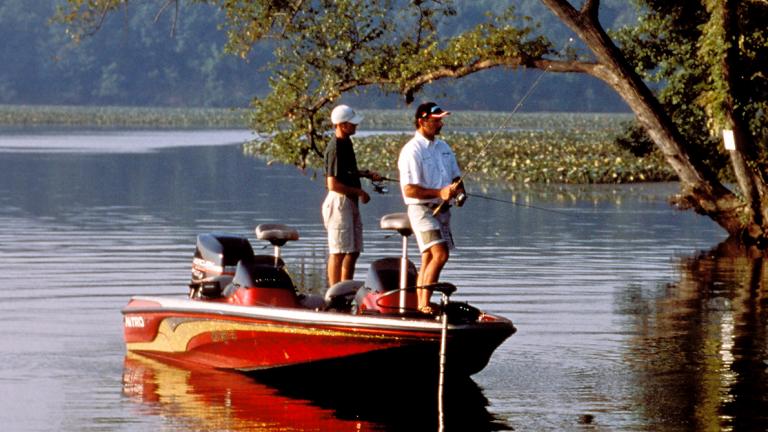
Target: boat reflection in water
[(207, 399)]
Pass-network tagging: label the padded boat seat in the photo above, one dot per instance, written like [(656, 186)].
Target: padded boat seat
[(255, 274), (384, 275), (267, 260), (257, 284), (277, 234), (397, 222)]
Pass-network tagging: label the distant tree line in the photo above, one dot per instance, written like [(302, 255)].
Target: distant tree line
[(137, 63), (147, 58)]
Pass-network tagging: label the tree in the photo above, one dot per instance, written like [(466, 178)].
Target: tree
[(324, 48)]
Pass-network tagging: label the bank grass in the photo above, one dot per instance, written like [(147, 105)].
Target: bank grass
[(497, 120), (540, 156), (567, 148)]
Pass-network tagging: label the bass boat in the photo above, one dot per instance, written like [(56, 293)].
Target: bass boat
[(243, 313)]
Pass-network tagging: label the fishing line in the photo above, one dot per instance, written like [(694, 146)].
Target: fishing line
[(503, 126), (490, 198)]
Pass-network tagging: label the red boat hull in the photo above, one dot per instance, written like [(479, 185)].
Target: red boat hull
[(254, 338)]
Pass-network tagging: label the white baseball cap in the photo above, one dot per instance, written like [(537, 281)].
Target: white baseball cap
[(343, 113)]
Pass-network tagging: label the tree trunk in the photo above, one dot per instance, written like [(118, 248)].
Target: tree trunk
[(750, 180), (699, 190)]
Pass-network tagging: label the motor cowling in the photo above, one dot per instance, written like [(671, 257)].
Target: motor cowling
[(215, 261)]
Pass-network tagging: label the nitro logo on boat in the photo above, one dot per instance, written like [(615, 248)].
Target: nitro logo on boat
[(134, 322)]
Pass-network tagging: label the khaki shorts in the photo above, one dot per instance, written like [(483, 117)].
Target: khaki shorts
[(341, 218), (430, 230)]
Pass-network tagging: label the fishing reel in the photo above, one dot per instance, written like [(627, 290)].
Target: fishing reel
[(461, 198), (379, 187)]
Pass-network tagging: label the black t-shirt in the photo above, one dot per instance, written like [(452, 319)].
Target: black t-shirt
[(340, 162)]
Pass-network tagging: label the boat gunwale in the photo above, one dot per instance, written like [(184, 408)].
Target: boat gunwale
[(307, 316)]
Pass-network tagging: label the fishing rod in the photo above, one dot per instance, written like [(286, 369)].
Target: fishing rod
[(379, 188), (461, 197)]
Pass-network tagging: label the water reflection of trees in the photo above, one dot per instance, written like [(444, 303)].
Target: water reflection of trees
[(700, 350)]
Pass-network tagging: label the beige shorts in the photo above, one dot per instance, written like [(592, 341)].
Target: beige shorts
[(341, 218), (430, 230)]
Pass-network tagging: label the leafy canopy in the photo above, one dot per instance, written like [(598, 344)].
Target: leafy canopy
[(324, 48), (680, 46)]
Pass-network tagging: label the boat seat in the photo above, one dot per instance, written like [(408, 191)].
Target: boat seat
[(257, 284), (397, 222), (276, 234), (339, 296), (384, 275), (254, 274), (266, 260)]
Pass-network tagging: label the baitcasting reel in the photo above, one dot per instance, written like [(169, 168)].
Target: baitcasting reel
[(379, 187), (461, 198)]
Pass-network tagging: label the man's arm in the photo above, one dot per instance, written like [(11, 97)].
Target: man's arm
[(372, 175), (336, 186), (418, 192)]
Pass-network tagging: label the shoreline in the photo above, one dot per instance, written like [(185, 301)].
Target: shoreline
[(547, 148)]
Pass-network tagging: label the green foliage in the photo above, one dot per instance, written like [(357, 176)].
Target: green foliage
[(167, 59), (635, 140), (533, 148), (534, 156), (134, 61), (327, 47), (680, 46)]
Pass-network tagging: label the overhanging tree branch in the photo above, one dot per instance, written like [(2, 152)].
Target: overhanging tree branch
[(325, 48)]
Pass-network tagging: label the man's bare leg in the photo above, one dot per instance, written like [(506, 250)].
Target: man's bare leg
[(348, 266), (334, 268), (432, 262)]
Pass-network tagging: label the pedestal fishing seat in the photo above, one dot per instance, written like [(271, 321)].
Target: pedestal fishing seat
[(390, 282), (262, 279)]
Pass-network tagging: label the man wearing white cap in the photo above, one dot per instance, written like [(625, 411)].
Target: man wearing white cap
[(341, 215)]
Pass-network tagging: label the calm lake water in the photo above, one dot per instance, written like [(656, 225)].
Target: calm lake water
[(631, 316)]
